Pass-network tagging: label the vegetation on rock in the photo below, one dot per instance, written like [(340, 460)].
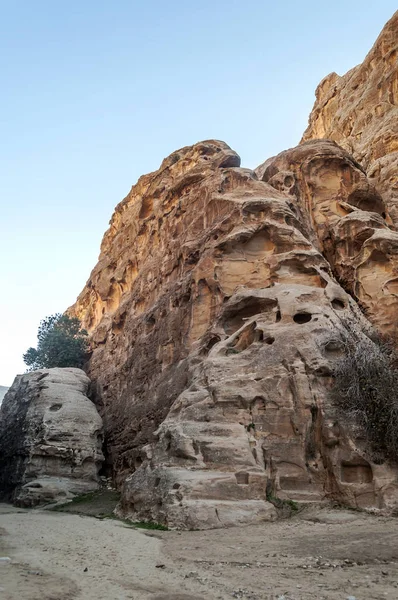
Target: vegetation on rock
[(366, 388), (61, 343)]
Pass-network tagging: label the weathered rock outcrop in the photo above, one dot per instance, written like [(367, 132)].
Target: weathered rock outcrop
[(223, 298), (341, 206), (50, 438), (360, 112), (215, 321)]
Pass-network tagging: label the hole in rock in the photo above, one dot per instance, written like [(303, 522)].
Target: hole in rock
[(338, 304), (278, 316), (242, 478), (230, 162), (176, 486), (367, 202), (323, 371), (157, 481), (269, 340), (146, 208), (354, 473), (208, 344), (150, 322), (235, 316), (55, 407), (302, 317)]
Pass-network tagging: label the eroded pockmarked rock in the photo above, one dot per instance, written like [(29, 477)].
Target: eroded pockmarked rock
[(347, 220), (215, 320), (50, 438), (360, 112)]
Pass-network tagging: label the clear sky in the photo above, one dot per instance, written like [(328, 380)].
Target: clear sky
[(95, 93)]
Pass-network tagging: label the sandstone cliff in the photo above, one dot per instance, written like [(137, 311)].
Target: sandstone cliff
[(223, 298), (216, 317), (360, 112), (50, 438)]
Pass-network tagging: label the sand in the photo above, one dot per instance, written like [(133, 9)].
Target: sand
[(318, 554)]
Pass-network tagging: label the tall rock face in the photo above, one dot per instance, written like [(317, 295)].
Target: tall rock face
[(50, 438), (359, 111), (220, 303)]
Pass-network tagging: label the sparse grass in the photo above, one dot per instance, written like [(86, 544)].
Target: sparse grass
[(285, 508), (149, 525), (291, 505), (89, 497)]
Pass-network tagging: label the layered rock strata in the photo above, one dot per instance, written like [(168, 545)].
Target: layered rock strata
[(216, 317), (50, 438), (360, 112)]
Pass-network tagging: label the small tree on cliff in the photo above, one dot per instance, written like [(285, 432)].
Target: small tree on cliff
[(61, 343)]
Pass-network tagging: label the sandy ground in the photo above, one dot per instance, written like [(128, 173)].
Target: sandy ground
[(319, 554)]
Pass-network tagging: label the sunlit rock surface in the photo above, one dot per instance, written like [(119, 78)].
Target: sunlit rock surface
[(216, 316), (359, 111)]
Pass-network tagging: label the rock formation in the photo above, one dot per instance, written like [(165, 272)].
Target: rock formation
[(341, 206), (215, 321), (359, 111), (50, 438), (221, 301)]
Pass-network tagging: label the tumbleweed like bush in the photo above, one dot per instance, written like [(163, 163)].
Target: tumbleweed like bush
[(366, 388)]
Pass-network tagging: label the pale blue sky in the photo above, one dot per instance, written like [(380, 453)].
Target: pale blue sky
[(95, 93)]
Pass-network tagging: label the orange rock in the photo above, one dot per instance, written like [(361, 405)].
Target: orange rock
[(340, 204), (359, 111), (215, 322)]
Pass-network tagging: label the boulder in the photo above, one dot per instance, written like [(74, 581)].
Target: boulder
[(50, 438)]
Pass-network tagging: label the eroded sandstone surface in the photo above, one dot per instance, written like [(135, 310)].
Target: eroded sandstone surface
[(347, 219), (50, 438), (221, 300), (359, 111)]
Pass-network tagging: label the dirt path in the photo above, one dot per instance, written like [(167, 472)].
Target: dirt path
[(330, 555)]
